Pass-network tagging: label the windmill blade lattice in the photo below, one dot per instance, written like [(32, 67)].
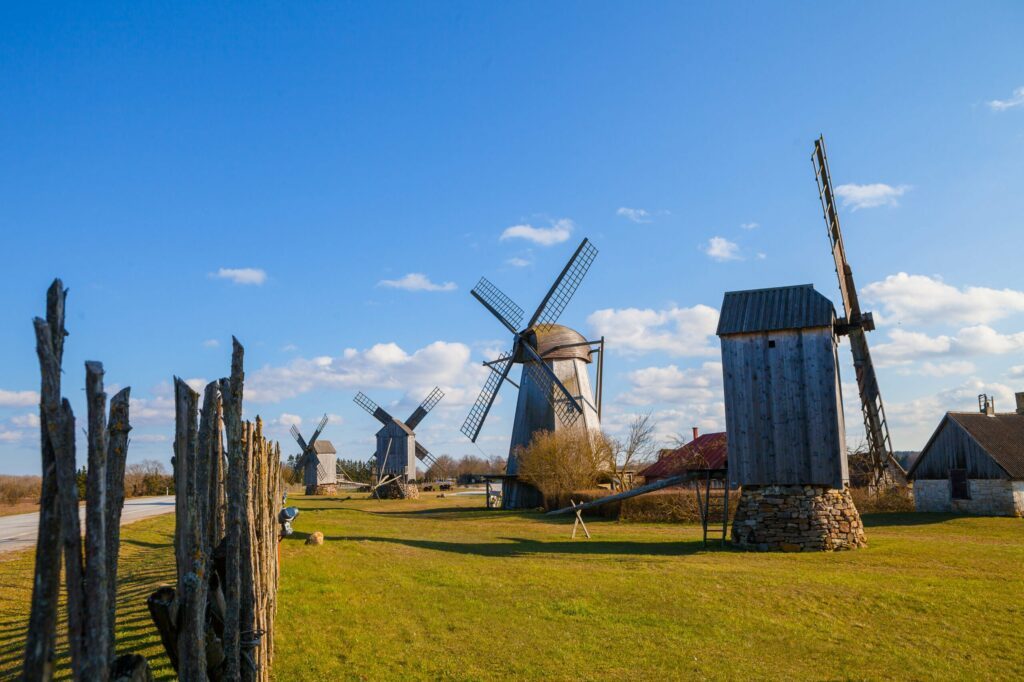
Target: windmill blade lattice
[(424, 408), (424, 455), (561, 292), (475, 420), (379, 413), (503, 307)]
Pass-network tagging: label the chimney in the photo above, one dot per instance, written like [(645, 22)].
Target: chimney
[(987, 405), (695, 428), (1020, 403)]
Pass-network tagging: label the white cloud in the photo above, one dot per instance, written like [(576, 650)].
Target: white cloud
[(721, 249), (671, 384), (1017, 371), (416, 281), (761, 255), (151, 438), (676, 331), (289, 420), (384, 365), (242, 275), (18, 398), (637, 215), (289, 348), (919, 298), (922, 415), (870, 196), (904, 347), (750, 226), (211, 343), (944, 369), (30, 420), (1016, 100), (198, 385), (10, 436), (518, 262), (557, 233)]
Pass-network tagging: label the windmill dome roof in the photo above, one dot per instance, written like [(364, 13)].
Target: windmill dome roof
[(546, 338)]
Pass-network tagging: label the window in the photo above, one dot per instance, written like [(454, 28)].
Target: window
[(960, 489), (771, 343)]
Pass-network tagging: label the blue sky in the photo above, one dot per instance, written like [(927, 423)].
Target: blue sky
[(324, 150)]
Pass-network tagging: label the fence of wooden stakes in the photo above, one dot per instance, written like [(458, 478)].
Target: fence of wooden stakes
[(217, 623), (90, 577)]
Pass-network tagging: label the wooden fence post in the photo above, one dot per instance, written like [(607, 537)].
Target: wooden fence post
[(190, 551), (42, 624), (231, 393), (117, 453)]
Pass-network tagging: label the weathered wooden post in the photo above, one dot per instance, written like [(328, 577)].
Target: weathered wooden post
[(231, 393), (42, 624), (90, 580)]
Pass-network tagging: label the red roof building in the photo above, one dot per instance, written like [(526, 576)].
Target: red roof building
[(708, 451)]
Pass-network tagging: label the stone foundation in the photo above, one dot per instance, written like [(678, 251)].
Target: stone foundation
[(397, 490), (322, 489), (988, 497), (797, 518)]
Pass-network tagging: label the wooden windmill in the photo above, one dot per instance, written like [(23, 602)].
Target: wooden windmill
[(884, 467), (554, 389), (397, 447), (318, 461)]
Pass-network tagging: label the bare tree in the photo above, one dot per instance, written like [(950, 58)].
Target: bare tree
[(637, 447)]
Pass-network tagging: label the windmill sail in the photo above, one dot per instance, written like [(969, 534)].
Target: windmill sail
[(875, 424), (378, 412), (500, 305), (424, 408), (561, 292), (478, 413)]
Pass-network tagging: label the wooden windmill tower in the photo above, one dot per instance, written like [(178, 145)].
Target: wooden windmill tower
[(784, 417), (397, 447), (318, 461), (554, 388), (885, 468)]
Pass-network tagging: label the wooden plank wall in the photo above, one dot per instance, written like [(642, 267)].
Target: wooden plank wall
[(953, 448), (783, 408)]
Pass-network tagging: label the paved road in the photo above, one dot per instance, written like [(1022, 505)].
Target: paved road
[(19, 531)]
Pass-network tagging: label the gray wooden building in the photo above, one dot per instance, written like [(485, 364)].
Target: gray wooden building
[(973, 463), (783, 401), (396, 451), (321, 467)]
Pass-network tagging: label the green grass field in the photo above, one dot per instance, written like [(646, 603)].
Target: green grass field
[(441, 589)]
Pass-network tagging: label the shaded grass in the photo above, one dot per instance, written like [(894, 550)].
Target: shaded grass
[(146, 561), (443, 589)]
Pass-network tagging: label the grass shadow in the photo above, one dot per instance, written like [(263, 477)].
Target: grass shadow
[(891, 520), (522, 547)]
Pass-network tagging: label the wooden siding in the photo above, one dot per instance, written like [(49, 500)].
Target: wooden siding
[(953, 448), (400, 459), (783, 408)]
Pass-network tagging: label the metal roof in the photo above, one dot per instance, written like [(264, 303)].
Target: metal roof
[(324, 447), (1000, 435), (762, 310), (707, 451)]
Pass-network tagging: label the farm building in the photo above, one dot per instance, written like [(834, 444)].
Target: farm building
[(707, 451), (973, 463)]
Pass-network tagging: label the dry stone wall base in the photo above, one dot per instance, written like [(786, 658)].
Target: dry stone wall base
[(322, 489), (988, 497), (797, 518), (398, 490)]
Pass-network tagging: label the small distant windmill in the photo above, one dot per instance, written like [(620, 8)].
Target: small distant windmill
[(554, 390), (884, 466), (317, 460), (397, 447)]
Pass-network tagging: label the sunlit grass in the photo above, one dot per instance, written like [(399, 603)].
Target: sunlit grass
[(441, 589)]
